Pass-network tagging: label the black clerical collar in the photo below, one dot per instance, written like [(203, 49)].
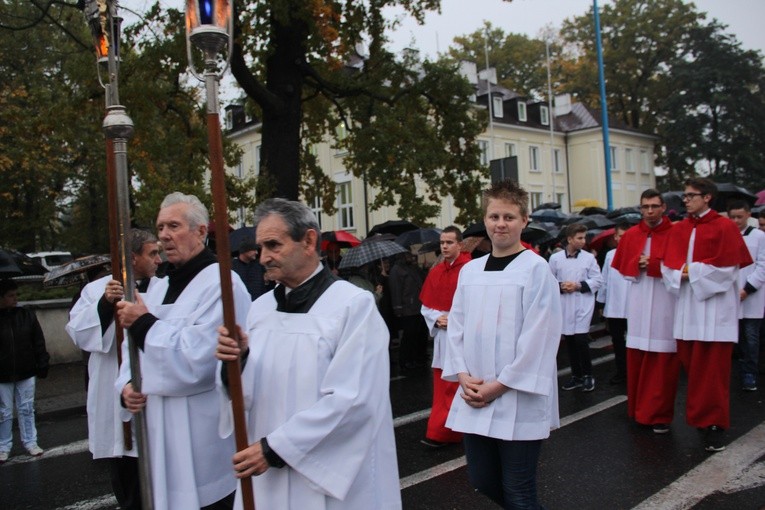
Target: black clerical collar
[(179, 277), (573, 255), (302, 298)]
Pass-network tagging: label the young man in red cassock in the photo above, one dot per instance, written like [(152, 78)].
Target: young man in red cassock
[(701, 267), (436, 297), (652, 364)]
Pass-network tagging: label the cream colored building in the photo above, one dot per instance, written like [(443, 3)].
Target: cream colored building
[(563, 166)]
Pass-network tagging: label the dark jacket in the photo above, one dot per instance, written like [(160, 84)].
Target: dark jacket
[(405, 282), (22, 346)]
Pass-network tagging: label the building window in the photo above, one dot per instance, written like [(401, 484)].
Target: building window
[(534, 158), (544, 115), (559, 197), (556, 161), (483, 146), (344, 205), (645, 162), (536, 198), (510, 150), (614, 165), (247, 116), (229, 119), (316, 208), (628, 164), (521, 111), (497, 107)]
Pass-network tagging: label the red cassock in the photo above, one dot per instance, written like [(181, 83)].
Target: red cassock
[(437, 293)]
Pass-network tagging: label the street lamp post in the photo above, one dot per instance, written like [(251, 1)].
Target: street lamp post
[(118, 128), (209, 26)]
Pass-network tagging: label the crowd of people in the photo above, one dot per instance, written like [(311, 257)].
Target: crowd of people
[(314, 344)]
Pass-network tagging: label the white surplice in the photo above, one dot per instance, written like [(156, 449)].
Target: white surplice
[(105, 433), (577, 306), (707, 303), (316, 385), (190, 462), (754, 274), (431, 315), (505, 326), (651, 313), (614, 291)]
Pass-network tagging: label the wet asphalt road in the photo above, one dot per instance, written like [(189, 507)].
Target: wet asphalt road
[(597, 460)]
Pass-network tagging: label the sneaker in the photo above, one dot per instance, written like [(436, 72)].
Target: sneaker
[(589, 383), (660, 428), (573, 383), (432, 443), (749, 382), (3, 457), (713, 439), (34, 450)]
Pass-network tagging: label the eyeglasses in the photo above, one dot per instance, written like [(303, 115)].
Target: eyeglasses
[(646, 207), (690, 196)]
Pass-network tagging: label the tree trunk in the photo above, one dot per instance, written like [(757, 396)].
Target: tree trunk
[(280, 156)]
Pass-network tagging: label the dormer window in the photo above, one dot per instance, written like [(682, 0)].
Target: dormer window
[(497, 107), (544, 115), (522, 111), (229, 119)]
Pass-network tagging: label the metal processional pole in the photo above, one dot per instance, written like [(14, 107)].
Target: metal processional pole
[(118, 128)]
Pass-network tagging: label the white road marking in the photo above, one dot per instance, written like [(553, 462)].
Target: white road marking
[(107, 501), (427, 474), (411, 418), (67, 449), (722, 471)]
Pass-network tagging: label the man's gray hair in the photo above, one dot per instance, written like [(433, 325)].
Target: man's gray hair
[(196, 215), (139, 237), (298, 217)]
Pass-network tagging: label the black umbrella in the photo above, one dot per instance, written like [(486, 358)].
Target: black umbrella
[(379, 237), (236, 237), (369, 252), (395, 227), (547, 205), (727, 193), (419, 236), (534, 234), (674, 202), (475, 230), (432, 246), (621, 211), (76, 271), (14, 263), (597, 221), (589, 211), (549, 215)]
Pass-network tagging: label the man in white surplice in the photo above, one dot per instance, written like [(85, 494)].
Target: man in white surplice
[(315, 378), (174, 326), (91, 327)]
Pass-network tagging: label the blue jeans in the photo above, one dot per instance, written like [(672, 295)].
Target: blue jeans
[(749, 345), (505, 471), (24, 394)]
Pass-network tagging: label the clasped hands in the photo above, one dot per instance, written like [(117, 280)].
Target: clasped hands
[(477, 393)]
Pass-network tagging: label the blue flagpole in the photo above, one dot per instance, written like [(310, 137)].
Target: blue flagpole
[(603, 107)]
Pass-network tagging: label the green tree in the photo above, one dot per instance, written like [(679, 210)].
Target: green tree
[(52, 151), (403, 121), (714, 124), (519, 60)]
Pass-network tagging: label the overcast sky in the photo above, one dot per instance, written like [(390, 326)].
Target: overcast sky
[(458, 17)]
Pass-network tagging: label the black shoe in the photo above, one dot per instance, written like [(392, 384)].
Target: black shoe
[(588, 384), (713, 440), (617, 379), (432, 443), (573, 383)]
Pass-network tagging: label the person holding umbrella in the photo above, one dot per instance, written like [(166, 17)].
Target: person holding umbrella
[(23, 358)]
